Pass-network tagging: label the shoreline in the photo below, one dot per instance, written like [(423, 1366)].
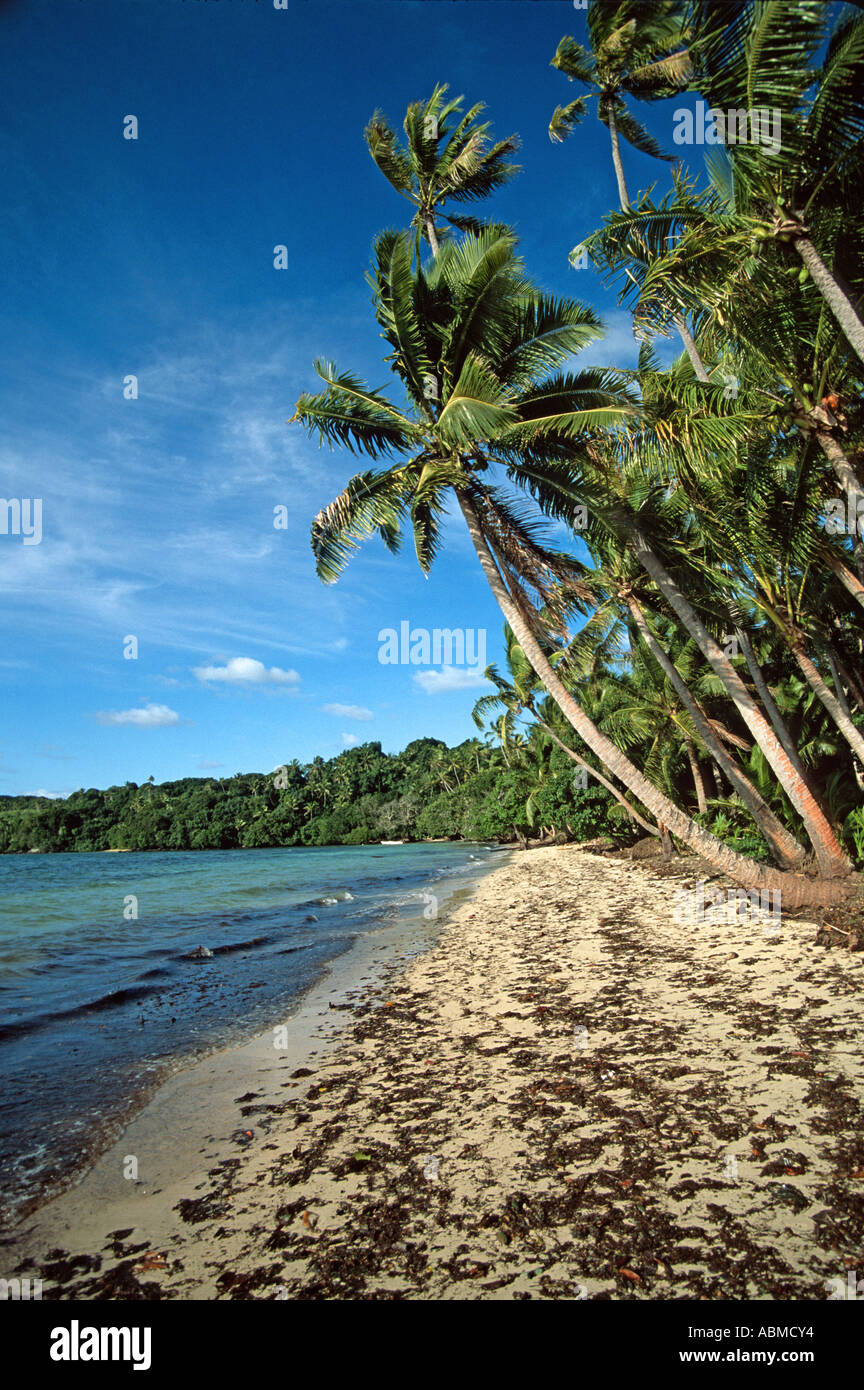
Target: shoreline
[(189, 1111), (255, 849), (89, 1103), (564, 1095)]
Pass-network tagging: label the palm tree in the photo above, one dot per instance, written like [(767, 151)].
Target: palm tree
[(768, 533), (446, 157), (516, 695), (762, 55), (475, 324), (439, 769), (617, 591), (646, 56), (627, 510), (785, 849), (761, 204), (775, 329), (829, 851), (636, 50), (646, 551), (644, 712), (797, 367)]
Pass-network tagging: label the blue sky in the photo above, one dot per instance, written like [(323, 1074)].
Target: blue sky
[(154, 257)]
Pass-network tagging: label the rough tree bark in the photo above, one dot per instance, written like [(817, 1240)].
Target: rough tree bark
[(696, 774), (839, 303), (778, 723), (822, 691)]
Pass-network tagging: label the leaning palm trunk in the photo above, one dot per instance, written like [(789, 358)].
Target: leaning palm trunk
[(785, 849), (624, 199), (836, 668), (690, 345), (604, 782), (844, 472), (798, 890), (839, 303), (778, 723), (849, 482), (696, 774), (841, 716), (843, 676), (827, 848), (851, 583)]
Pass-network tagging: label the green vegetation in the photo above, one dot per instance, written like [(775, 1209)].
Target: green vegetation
[(715, 624), (429, 791), (676, 550)]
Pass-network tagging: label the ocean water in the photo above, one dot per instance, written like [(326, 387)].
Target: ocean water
[(97, 1004)]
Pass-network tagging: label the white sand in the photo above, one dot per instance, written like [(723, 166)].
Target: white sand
[(570, 1095)]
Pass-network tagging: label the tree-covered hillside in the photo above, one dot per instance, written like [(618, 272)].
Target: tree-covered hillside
[(360, 797)]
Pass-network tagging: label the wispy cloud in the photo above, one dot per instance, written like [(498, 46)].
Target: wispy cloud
[(53, 750), (349, 712), (350, 740), (618, 346), (206, 457), (148, 717)]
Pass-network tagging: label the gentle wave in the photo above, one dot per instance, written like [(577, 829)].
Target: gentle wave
[(97, 1009)]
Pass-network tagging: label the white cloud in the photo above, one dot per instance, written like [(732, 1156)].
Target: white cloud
[(245, 670), (350, 740), (621, 347), (52, 796), (150, 717), (207, 762), (349, 712), (450, 678)]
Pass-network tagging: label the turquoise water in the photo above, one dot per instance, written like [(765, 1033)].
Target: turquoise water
[(101, 993)]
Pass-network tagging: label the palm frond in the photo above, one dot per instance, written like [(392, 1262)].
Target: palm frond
[(384, 148), (371, 502), (574, 61), (476, 407), (566, 118), (348, 413)]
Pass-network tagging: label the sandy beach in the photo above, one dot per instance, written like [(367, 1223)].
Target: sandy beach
[(568, 1095)]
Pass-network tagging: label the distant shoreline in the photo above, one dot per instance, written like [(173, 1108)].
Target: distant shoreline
[(425, 794), (231, 849)]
